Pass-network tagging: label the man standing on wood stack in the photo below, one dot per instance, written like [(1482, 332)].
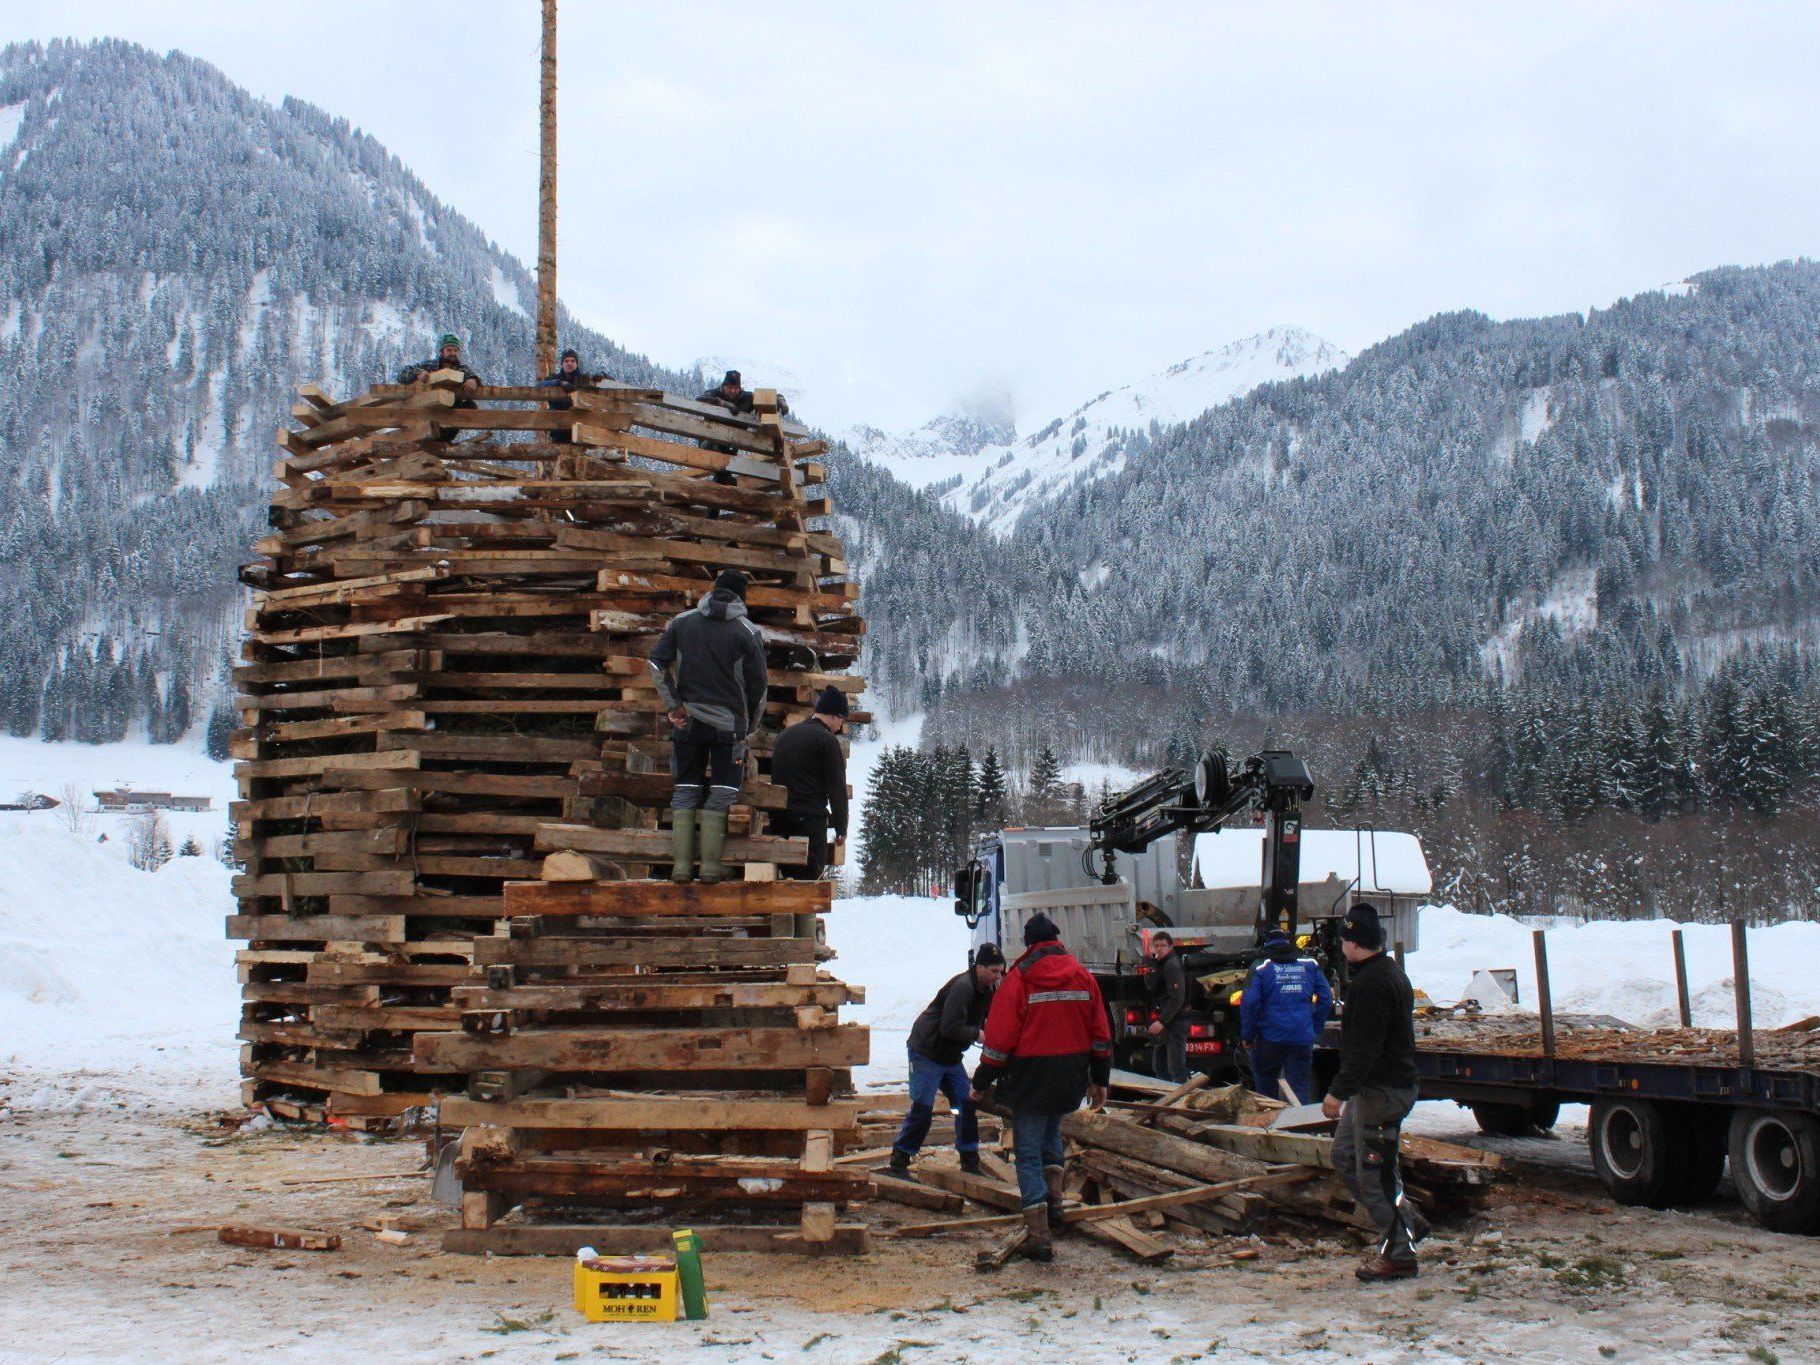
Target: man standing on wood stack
[(1283, 1010), (1047, 1044), (809, 764), (947, 1027), (733, 395), (1374, 1092), (568, 377), (709, 667), (448, 357)]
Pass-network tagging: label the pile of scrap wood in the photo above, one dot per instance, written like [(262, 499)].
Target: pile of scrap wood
[(1199, 1158), (444, 690)]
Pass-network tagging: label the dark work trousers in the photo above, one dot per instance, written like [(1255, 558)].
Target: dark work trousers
[(561, 438), (1365, 1155), (454, 433), (796, 823), (1273, 1062), (1169, 1053), (706, 765)]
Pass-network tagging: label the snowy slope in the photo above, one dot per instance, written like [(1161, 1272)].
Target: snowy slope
[(104, 968), (996, 481)]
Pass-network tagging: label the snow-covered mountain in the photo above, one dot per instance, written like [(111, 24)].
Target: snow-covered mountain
[(176, 258), (979, 469)]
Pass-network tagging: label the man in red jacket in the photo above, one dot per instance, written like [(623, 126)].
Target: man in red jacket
[(1047, 1043)]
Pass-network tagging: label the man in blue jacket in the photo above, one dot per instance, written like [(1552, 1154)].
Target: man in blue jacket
[(1284, 1008)]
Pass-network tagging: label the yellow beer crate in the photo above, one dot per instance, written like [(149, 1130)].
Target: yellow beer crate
[(626, 1289)]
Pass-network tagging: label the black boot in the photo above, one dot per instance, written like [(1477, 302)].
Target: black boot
[(899, 1165), (970, 1163)]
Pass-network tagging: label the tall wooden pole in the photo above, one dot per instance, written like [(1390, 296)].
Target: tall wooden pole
[(546, 208)]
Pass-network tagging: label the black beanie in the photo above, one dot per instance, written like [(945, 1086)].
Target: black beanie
[(569, 355), (1039, 928), (1361, 926), (832, 702), (988, 955), (734, 582), (732, 378)]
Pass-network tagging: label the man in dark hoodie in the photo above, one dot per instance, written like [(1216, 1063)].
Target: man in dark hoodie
[(1374, 1092), (809, 764), (709, 666), (939, 1039), (1047, 1043), (1285, 1006)]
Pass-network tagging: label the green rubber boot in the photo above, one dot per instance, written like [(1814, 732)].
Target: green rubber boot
[(682, 853), (713, 839)]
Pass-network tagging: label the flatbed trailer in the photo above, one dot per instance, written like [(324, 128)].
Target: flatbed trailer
[(1670, 1107)]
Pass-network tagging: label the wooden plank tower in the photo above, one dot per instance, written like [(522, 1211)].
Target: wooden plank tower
[(454, 786)]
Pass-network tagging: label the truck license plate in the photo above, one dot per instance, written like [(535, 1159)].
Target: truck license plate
[(1203, 1047)]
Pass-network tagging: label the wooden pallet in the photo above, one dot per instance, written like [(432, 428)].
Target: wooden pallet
[(443, 691), (634, 1045)]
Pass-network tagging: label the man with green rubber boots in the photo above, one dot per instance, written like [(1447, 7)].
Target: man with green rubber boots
[(709, 667)]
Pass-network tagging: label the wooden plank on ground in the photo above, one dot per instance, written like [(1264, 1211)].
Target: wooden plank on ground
[(850, 1239)]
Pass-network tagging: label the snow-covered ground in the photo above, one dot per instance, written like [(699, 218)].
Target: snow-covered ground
[(118, 1005)]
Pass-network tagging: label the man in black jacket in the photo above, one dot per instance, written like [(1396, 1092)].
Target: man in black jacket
[(568, 377), (1169, 998), (448, 357), (1374, 1092), (939, 1039), (709, 667), (808, 763), (733, 395)]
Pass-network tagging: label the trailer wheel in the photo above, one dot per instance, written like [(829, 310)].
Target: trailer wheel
[(1632, 1152), (1514, 1120), (1776, 1163)]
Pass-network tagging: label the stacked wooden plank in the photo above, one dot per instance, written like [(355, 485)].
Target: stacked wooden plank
[(635, 1045), (443, 686)]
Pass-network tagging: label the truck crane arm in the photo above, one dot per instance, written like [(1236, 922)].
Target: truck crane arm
[(1275, 782)]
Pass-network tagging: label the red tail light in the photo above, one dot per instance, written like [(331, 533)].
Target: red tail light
[(1199, 1031), (1134, 1016)]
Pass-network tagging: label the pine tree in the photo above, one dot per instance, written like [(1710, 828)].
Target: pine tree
[(220, 731), (1044, 803), (990, 807)]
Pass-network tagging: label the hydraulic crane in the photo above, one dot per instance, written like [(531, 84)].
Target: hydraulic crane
[(1275, 783)]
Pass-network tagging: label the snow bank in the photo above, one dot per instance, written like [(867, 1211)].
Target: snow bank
[(901, 949), (1625, 968), (104, 967)]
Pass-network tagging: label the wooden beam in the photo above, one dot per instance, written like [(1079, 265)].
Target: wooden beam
[(647, 1049), (849, 1239), (706, 1113), (617, 900)]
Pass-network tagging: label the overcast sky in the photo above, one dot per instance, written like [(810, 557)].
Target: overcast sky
[(905, 205)]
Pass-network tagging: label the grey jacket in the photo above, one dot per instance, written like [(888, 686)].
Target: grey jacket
[(711, 662)]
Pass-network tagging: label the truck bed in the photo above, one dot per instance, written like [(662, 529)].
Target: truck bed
[(1500, 1059)]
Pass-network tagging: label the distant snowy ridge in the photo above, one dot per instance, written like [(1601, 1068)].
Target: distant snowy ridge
[(984, 474)]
